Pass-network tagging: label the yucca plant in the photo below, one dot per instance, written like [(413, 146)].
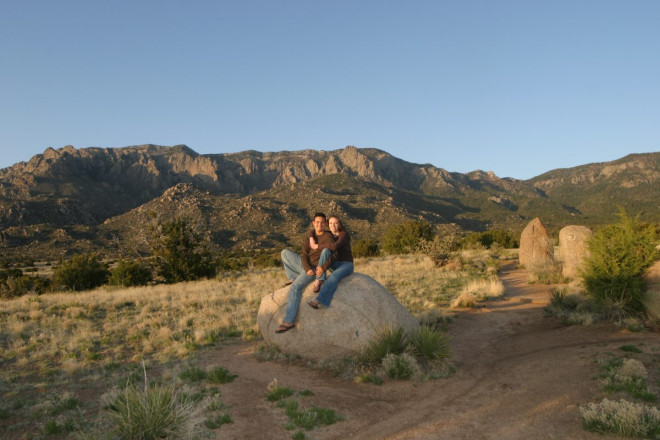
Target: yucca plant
[(387, 341), (430, 344)]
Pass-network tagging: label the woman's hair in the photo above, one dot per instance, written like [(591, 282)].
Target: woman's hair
[(341, 225)]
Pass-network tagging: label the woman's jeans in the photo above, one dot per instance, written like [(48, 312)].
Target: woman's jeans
[(340, 270), (294, 271)]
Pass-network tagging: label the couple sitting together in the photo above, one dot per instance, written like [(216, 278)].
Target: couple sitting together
[(322, 250)]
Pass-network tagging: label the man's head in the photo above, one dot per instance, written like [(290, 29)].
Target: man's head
[(319, 222)]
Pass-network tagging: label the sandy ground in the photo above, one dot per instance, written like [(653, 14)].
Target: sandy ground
[(519, 375)]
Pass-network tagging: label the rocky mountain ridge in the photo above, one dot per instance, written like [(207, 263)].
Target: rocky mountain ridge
[(69, 199)]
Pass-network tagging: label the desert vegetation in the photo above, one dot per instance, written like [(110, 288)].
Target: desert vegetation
[(613, 286), (140, 345), (628, 410)]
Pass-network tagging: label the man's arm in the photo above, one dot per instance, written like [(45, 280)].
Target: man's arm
[(304, 256)]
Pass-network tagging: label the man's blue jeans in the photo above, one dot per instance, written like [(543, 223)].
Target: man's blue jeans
[(294, 271)]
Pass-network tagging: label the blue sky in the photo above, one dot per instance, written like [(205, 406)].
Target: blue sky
[(515, 87)]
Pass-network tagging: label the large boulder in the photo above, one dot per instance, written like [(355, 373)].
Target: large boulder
[(573, 249), (360, 308), (652, 298), (536, 249)]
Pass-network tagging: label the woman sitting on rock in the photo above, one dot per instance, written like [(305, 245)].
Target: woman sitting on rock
[(341, 267)]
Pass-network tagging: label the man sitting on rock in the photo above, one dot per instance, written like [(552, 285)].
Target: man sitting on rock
[(301, 269)]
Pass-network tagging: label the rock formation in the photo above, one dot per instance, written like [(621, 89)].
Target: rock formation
[(536, 249), (652, 298), (573, 249), (360, 308)]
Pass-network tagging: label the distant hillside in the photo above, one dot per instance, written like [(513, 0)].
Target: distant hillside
[(596, 190), (100, 199)]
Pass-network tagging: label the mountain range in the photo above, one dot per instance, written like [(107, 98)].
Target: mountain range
[(104, 199)]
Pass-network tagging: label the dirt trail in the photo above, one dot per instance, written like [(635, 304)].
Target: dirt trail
[(519, 375)]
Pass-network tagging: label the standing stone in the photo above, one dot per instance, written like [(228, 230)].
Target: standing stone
[(535, 246), (651, 300), (360, 308), (574, 249)]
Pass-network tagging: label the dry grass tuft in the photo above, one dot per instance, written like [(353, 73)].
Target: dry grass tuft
[(478, 290)]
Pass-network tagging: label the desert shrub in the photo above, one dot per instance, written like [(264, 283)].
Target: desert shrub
[(217, 421), (153, 413), (613, 273), (369, 378), (630, 377), (624, 418), (464, 299), (193, 374), (489, 238), (563, 300), (400, 366), (365, 248), (180, 252), (430, 344), (571, 308), (14, 283), (130, 273), (228, 261), (405, 237), (265, 259), (81, 272), (440, 249), (276, 392), (387, 341), (220, 375)]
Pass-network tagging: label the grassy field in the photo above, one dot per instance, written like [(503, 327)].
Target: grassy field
[(54, 348)]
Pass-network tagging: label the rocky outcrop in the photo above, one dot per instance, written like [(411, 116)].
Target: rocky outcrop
[(573, 249), (360, 308), (71, 188), (536, 249)]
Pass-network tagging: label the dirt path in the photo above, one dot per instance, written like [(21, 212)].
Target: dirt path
[(519, 375)]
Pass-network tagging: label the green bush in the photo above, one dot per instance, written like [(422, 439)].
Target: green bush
[(14, 283), (231, 262), (278, 393), (81, 272), (220, 375), (265, 260), (488, 238), (400, 366), (130, 273), (365, 248), (440, 249), (180, 252), (613, 273), (406, 237)]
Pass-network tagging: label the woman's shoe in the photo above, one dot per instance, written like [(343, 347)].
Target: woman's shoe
[(317, 286), (313, 304)]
